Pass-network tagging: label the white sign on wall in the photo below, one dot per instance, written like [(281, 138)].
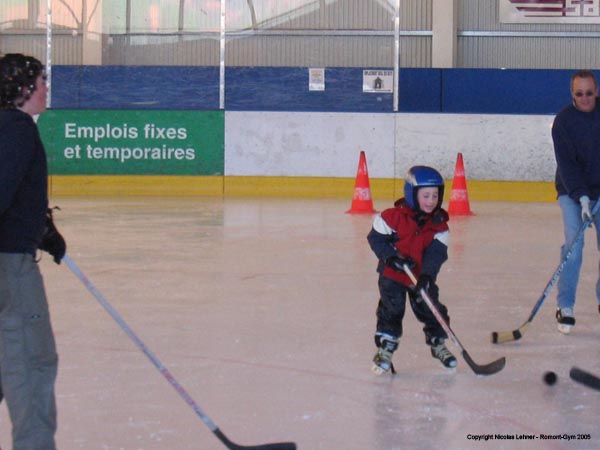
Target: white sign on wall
[(544, 11), (376, 81), (316, 79)]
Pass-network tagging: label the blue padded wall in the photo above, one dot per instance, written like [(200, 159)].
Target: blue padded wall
[(505, 91), (492, 91), (135, 87), (420, 90), (286, 89)]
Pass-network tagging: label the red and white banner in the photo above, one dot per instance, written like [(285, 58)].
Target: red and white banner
[(549, 11)]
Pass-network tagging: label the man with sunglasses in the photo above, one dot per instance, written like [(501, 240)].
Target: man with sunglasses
[(576, 137)]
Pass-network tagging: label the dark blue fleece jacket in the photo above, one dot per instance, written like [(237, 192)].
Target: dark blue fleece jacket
[(576, 137), (23, 183)]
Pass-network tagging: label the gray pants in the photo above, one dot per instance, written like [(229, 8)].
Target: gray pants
[(28, 359)]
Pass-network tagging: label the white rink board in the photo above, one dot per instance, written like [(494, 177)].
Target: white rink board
[(494, 146), (307, 144)]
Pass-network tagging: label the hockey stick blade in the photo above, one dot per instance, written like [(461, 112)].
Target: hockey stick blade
[(499, 337), (163, 370), (585, 378), (233, 446), (487, 369)]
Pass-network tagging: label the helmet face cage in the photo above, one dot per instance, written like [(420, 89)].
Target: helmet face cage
[(17, 73), (418, 177)]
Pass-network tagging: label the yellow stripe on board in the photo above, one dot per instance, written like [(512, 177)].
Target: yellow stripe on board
[(510, 191), (134, 185), (514, 191)]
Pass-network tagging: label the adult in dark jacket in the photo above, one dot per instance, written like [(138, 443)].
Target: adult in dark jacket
[(414, 232), (576, 137), (28, 359)]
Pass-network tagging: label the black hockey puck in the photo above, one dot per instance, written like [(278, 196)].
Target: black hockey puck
[(550, 378)]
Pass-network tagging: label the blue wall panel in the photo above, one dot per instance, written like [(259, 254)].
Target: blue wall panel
[(286, 89), (492, 91), (505, 91), (135, 87), (420, 90), (66, 87)]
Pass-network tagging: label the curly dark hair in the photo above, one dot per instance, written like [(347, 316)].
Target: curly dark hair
[(18, 72)]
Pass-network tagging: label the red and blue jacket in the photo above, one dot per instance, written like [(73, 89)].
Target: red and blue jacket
[(402, 231)]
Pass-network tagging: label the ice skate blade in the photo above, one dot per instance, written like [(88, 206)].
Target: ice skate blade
[(378, 370), (451, 365), (564, 329)]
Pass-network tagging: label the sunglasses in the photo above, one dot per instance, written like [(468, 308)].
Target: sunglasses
[(586, 93)]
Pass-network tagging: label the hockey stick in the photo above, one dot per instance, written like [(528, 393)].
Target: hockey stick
[(499, 337), (585, 378), (487, 369), (165, 372)]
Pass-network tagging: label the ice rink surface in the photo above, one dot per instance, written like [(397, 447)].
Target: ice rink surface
[(264, 310)]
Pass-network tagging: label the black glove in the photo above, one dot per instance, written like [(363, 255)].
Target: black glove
[(426, 283), (52, 241), (397, 262)]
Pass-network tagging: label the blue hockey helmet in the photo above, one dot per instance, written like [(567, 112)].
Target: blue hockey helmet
[(418, 177)]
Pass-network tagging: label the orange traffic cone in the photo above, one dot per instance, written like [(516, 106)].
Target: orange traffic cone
[(362, 203), (459, 198)]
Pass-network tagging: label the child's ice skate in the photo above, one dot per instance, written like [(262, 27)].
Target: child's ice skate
[(439, 351), (382, 362)]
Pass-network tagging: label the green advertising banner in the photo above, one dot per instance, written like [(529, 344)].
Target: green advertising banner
[(133, 142)]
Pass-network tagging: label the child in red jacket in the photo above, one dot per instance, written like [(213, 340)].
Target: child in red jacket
[(414, 232)]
